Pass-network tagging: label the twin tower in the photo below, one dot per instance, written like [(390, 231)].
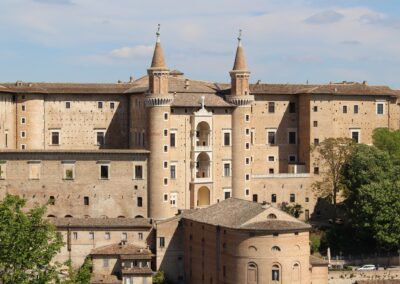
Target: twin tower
[(158, 101)]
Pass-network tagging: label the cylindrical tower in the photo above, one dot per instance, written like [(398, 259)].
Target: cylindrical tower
[(241, 120), (158, 102)]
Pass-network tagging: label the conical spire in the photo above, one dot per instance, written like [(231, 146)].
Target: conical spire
[(240, 62), (158, 56)]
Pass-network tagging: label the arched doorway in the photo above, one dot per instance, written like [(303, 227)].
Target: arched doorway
[(252, 273), (203, 196), (296, 273)]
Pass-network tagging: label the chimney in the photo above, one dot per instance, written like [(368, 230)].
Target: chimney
[(187, 84), (131, 79)]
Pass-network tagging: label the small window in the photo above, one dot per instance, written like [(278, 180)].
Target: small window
[(292, 159), (227, 193), (75, 235), (276, 248), (271, 216), (316, 141), (68, 171), (165, 132), (355, 135), (55, 138), (271, 107), (172, 199), (165, 163), (23, 134), (247, 161), (165, 181), (255, 198), (104, 171), (165, 115), (355, 109), (380, 108), (124, 236), (107, 235), (140, 236), (52, 200), (165, 148), (23, 120), (99, 104), (86, 200), (315, 123), (271, 171), (247, 131), (247, 117), (271, 159), (247, 177), (315, 109), (23, 146), (292, 107), (227, 169), (292, 197), (292, 137), (67, 104), (138, 172), (23, 108), (162, 242), (247, 146), (100, 138), (165, 197), (172, 139), (227, 139), (247, 192), (112, 105), (273, 198), (271, 137), (307, 199), (344, 109), (139, 202), (316, 170), (173, 171)]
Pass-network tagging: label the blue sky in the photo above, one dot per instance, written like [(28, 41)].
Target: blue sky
[(285, 41)]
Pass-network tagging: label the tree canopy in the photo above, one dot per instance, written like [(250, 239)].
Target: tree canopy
[(27, 244), (389, 141)]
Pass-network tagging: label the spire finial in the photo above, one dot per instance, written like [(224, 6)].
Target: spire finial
[(158, 32), (240, 38)]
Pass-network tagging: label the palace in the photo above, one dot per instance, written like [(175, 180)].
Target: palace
[(157, 146)]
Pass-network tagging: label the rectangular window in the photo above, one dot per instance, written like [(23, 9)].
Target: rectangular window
[(67, 104), (227, 169), (124, 236), (227, 139), (315, 123), (247, 118), (315, 109), (162, 242), (69, 170), (355, 135), (165, 181), (316, 141), (112, 105), (172, 199), (23, 134), (271, 159), (55, 137), (227, 193), (23, 108), (271, 107), (172, 139), (173, 171), (344, 109), (292, 137), (104, 171), (34, 169), (292, 107), (86, 200), (316, 170), (99, 104), (271, 170), (292, 159), (138, 172), (140, 236), (380, 108), (139, 202), (23, 120), (292, 197), (165, 197), (165, 115), (100, 138), (355, 109), (2, 170), (271, 137), (75, 235)]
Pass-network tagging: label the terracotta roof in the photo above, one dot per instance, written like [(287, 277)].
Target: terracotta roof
[(236, 213), (136, 270), (101, 222), (194, 100), (122, 249), (240, 61), (134, 256), (158, 61), (317, 261), (104, 279), (67, 88)]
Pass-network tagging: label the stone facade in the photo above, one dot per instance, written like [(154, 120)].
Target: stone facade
[(204, 141)]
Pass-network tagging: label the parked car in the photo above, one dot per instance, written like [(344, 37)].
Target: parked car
[(367, 267)]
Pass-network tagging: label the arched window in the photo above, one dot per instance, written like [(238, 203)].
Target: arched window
[(276, 273), (271, 216), (121, 216), (295, 272), (86, 216), (276, 249), (137, 217), (252, 273), (51, 216), (68, 216), (273, 198)]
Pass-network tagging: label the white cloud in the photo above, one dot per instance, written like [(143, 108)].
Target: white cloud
[(324, 17), (131, 52)]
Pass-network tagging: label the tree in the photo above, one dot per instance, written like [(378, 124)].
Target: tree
[(159, 277), (295, 210), (81, 275), (373, 196), (27, 244), (388, 141), (332, 155)]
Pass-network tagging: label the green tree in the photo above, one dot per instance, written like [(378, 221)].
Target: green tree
[(373, 196), (388, 141), (81, 275), (295, 210), (159, 277), (27, 244), (332, 155)]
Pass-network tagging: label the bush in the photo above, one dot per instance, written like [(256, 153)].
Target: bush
[(159, 278)]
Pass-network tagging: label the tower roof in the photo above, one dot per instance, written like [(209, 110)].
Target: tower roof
[(240, 61), (158, 56)]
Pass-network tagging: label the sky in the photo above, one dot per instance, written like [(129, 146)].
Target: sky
[(290, 41)]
